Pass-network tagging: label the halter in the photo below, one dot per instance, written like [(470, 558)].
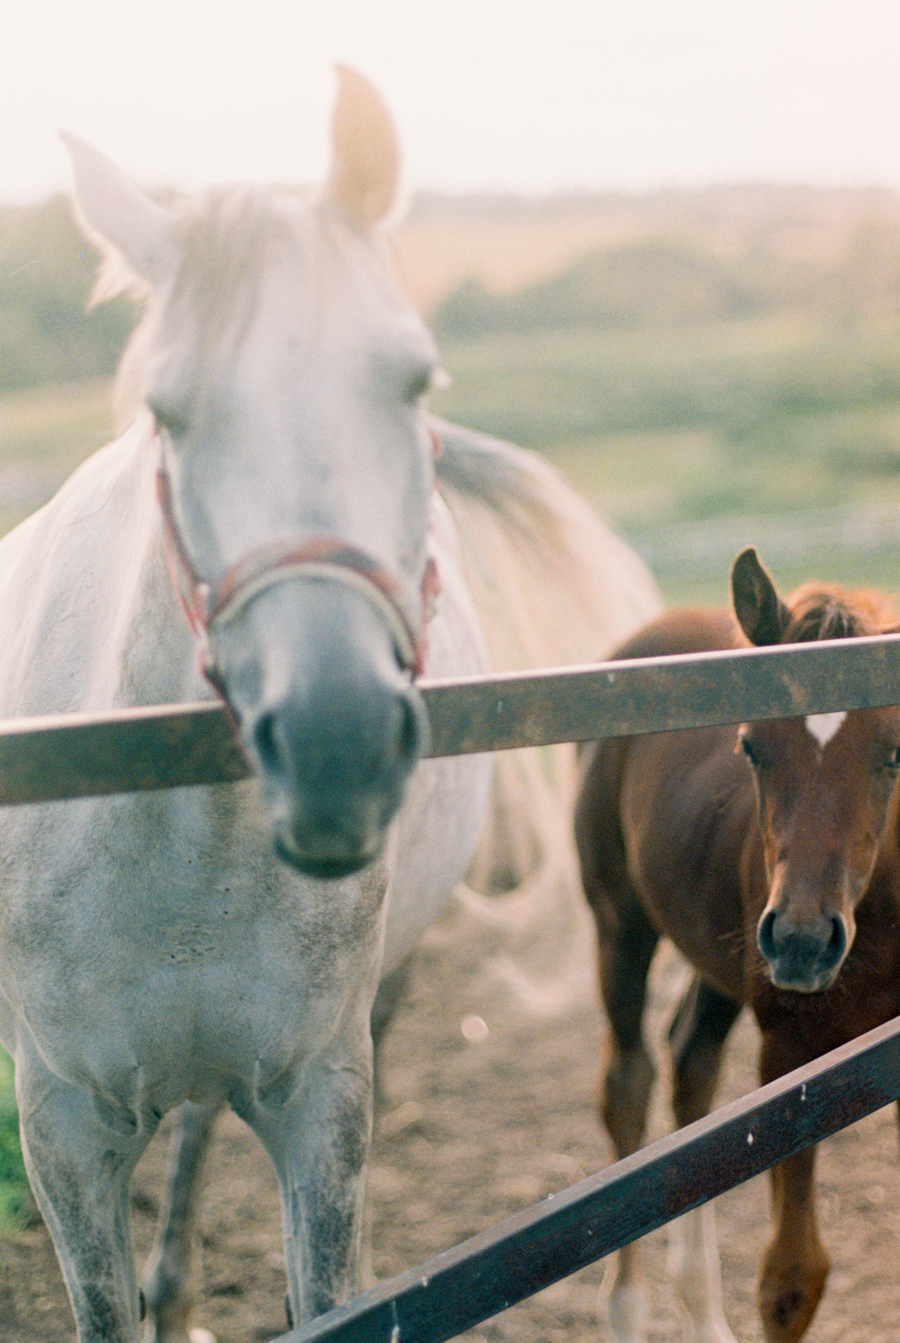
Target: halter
[(212, 604)]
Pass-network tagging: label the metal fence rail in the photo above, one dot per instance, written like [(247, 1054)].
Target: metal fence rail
[(75, 755)]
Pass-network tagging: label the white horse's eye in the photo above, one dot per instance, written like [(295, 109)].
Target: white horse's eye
[(424, 379), (418, 385), (169, 418)]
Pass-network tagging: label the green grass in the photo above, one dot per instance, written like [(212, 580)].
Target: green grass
[(16, 1204), (770, 417), (58, 424), (45, 432)]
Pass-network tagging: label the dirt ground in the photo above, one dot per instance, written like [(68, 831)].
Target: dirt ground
[(489, 1109)]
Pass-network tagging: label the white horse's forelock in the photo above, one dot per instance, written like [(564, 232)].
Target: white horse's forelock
[(226, 236)]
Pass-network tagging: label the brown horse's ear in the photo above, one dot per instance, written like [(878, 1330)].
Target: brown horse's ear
[(761, 613), (365, 168)]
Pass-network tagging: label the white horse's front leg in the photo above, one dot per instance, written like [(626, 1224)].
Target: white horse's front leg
[(80, 1163), (319, 1141), (694, 1269), (167, 1279)]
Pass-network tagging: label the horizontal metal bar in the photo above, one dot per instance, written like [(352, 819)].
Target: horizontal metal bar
[(662, 694), (498, 1268), (170, 746), (129, 750)]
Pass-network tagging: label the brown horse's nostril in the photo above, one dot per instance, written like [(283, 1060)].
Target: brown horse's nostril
[(765, 935), (837, 944)]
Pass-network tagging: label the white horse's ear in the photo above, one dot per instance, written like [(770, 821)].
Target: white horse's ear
[(365, 171), (116, 215)]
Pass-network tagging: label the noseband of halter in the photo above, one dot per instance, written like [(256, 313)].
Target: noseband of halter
[(208, 605)]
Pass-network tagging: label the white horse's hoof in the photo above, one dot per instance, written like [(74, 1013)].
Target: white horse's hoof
[(201, 1336)]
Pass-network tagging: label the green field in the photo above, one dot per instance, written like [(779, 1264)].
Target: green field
[(783, 432), (44, 433)]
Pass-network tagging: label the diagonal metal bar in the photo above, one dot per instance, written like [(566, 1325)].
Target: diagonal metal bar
[(170, 746), (464, 1286)]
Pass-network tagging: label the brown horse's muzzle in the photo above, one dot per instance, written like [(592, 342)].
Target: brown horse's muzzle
[(803, 954)]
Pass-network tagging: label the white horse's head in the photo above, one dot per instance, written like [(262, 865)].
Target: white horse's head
[(284, 371)]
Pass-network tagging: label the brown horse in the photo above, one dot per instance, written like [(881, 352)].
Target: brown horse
[(770, 856)]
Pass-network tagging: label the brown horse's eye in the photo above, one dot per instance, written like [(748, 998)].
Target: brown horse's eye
[(893, 761), (747, 747)]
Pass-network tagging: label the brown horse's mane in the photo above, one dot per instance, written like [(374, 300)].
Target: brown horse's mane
[(825, 611)]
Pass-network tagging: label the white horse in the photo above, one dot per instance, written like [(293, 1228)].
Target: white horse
[(276, 482)]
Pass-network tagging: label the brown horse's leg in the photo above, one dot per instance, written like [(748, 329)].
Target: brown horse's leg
[(696, 1037), (795, 1264), (625, 958), (626, 946)]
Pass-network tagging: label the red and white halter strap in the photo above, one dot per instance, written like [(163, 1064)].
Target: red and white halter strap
[(207, 604)]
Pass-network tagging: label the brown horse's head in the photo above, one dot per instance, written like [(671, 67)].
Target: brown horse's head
[(824, 784)]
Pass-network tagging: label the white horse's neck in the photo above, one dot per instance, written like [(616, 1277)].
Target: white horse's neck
[(85, 591)]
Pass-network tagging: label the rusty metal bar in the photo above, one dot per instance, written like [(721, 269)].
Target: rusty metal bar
[(132, 750), (170, 746), (498, 1268), (662, 694)]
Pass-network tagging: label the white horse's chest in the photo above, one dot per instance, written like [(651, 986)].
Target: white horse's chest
[(173, 969)]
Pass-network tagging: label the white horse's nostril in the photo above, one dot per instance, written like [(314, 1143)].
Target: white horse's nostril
[(264, 741)]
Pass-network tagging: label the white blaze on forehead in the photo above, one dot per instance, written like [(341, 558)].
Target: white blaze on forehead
[(823, 726)]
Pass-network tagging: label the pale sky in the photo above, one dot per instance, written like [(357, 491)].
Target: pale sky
[(527, 95)]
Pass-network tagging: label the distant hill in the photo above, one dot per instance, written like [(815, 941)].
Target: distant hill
[(777, 242), (654, 283), (677, 258), (507, 263)]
